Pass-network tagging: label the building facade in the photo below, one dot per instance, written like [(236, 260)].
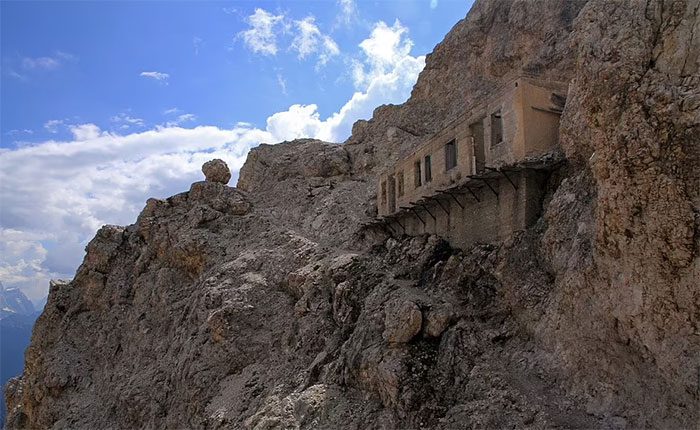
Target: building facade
[(475, 172)]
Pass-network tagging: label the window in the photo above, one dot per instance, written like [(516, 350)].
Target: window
[(428, 169), (416, 174), (496, 128), (383, 193), (450, 155), (399, 179)]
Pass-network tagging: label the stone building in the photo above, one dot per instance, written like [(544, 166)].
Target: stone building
[(480, 178)]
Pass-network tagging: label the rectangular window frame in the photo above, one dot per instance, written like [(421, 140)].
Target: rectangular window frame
[(496, 128), (428, 170), (417, 179), (450, 155), (400, 184)]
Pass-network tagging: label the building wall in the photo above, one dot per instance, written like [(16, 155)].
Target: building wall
[(530, 128), (493, 218)]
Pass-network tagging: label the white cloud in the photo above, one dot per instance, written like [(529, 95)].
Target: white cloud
[(158, 76), (55, 194), (384, 49), (15, 132), (47, 62), (85, 131), (433, 4), (385, 73), (348, 12), (197, 42), (309, 40), (260, 37), (52, 125), (282, 83), (171, 111), (125, 121), (185, 117)]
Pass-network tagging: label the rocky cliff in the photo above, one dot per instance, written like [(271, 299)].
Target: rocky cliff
[(269, 306)]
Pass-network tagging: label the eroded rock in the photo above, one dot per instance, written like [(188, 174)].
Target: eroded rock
[(402, 321), (216, 171)]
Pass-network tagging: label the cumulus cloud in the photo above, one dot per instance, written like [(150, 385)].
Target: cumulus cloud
[(158, 76), (261, 37), (85, 131), (309, 40), (56, 194), (384, 73)]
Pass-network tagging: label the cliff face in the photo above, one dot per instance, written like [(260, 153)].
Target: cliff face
[(269, 306)]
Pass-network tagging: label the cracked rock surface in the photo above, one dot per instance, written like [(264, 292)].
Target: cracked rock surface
[(268, 305)]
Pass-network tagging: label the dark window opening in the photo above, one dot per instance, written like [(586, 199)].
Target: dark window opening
[(428, 169), (496, 128), (383, 193), (392, 194), (479, 145), (416, 174), (399, 179), (450, 155)]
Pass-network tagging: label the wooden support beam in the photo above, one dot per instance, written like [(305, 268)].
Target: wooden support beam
[(509, 180), (504, 174), (419, 217), (455, 199), (429, 213), (389, 229), (400, 225), (472, 193), (441, 206), (489, 185)]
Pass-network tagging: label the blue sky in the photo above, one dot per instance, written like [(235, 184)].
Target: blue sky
[(104, 104)]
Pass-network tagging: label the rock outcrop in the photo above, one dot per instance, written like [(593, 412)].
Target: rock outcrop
[(216, 171), (270, 306)]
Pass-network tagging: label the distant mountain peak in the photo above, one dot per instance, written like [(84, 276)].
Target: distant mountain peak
[(14, 302)]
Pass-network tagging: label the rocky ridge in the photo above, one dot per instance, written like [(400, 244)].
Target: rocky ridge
[(268, 306)]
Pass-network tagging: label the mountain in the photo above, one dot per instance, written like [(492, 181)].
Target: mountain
[(14, 302), (278, 304), (17, 318)]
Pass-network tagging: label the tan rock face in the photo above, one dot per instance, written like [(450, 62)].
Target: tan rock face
[(402, 321), (437, 320), (216, 171), (268, 305)]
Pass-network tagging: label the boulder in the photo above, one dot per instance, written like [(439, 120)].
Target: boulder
[(402, 321), (216, 171)]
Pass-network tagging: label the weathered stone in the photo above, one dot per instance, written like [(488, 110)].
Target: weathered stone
[(585, 320), (402, 321), (437, 320), (216, 171)]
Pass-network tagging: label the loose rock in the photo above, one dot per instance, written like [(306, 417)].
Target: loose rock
[(216, 171)]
